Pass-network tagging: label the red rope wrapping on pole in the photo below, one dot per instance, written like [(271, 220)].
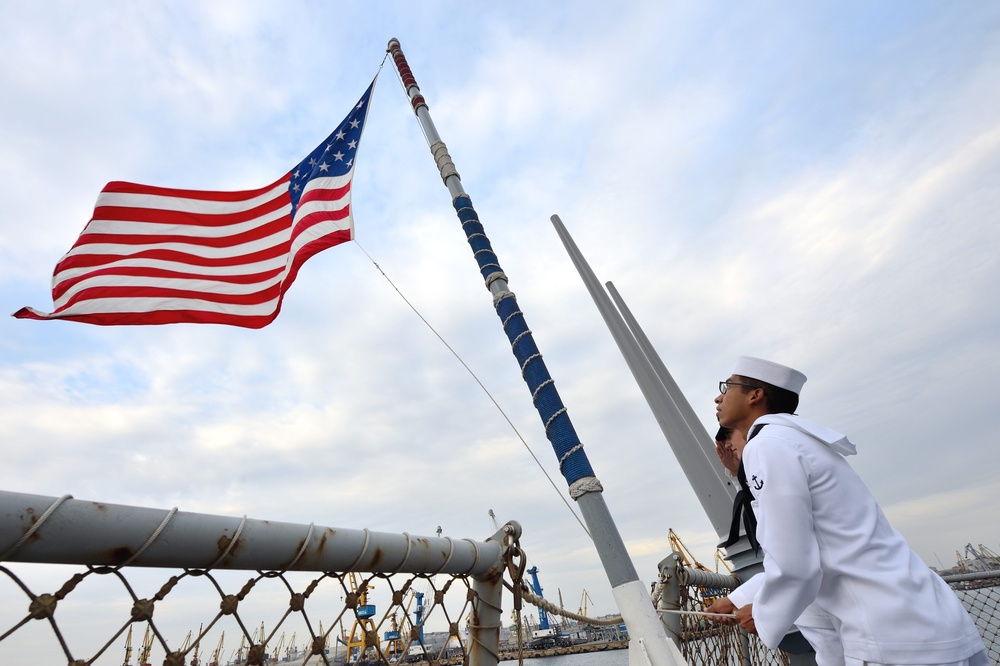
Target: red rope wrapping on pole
[(405, 73)]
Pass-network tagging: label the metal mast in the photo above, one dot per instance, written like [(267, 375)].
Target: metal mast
[(691, 444), (649, 644)]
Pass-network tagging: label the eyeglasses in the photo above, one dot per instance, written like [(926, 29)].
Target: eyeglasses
[(724, 386)]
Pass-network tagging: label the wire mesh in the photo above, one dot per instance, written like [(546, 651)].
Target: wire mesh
[(707, 643), (102, 615), (980, 594)]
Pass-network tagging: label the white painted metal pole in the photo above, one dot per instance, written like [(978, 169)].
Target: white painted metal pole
[(676, 419), (645, 629), (36, 528)]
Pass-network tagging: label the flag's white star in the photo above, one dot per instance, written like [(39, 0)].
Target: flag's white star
[(324, 166), (338, 155), (354, 124), (352, 144), (312, 161), (340, 135)]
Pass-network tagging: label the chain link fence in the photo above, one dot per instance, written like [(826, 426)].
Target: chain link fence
[(980, 594), (107, 615), (704, 642)]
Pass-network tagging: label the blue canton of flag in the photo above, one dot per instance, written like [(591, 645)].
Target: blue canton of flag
[(335, 156)]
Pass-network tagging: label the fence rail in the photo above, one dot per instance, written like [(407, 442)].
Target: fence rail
[(109, 560)]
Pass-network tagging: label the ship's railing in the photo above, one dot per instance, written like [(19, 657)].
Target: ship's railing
[(683, 591), (681, 594), (979, 592), (81, 581)]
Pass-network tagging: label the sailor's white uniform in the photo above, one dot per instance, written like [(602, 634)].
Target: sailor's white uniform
[(825, 540)]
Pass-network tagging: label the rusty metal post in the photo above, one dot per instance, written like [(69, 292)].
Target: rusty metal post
[(670, 595), (487, 606)]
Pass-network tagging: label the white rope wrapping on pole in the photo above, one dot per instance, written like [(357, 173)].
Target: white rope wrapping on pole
[(152, 537), (364, 549), (443, 160), (34, 528), (588, 484), (232, 543)]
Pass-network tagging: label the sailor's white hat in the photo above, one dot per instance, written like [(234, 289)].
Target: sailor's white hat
[(770, 372)]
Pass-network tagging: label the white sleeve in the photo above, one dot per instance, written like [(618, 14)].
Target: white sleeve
[(745, 593), (777, 475)]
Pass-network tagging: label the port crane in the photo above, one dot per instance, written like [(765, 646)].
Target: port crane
[(197, 646), (239, 650), (147, 647), (584, 598), (364, 634), (218, 651), (543, 617), (690, 561), (277, 650), (128, 647), (982, 559)]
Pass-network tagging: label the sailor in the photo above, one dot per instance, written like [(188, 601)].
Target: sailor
[(827, 545), (813, 625)]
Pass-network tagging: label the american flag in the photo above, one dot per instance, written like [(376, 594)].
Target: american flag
[(154, 255)]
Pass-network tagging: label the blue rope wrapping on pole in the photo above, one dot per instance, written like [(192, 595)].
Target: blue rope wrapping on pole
[(559, 428)]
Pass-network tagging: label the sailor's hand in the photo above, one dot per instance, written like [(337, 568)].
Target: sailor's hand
[(728, 457), (723, 606), (745, 617)]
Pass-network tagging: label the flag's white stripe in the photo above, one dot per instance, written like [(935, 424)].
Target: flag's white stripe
[(152, 304), (318, 231), (197, 250), (322, 207), (187, 205), (329, 182), (129, 227), (238, 269), (153, 284)]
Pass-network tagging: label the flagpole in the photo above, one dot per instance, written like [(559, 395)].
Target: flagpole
[(649, 643)]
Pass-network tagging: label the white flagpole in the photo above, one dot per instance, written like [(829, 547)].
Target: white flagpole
[(649, 643)]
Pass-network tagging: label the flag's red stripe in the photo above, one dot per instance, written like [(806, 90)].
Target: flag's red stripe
[(312, 219), (263, 231), (85, 260), (123, 187), (159, 317), (139, 271), (167, 216), (325, 194), (311, 248), (254, 298)]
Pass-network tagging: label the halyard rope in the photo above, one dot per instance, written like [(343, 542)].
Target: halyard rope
[(481, 385)]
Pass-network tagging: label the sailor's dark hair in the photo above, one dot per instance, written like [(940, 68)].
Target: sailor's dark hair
[(724, 434), (779, 400)]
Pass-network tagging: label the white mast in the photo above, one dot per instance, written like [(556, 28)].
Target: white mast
[(649, 643)]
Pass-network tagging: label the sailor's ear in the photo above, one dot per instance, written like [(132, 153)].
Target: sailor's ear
[(756, 395)]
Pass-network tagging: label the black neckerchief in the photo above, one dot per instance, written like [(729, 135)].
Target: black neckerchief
[(741, 507)]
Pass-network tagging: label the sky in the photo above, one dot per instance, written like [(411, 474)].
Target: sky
[(811, 183)]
